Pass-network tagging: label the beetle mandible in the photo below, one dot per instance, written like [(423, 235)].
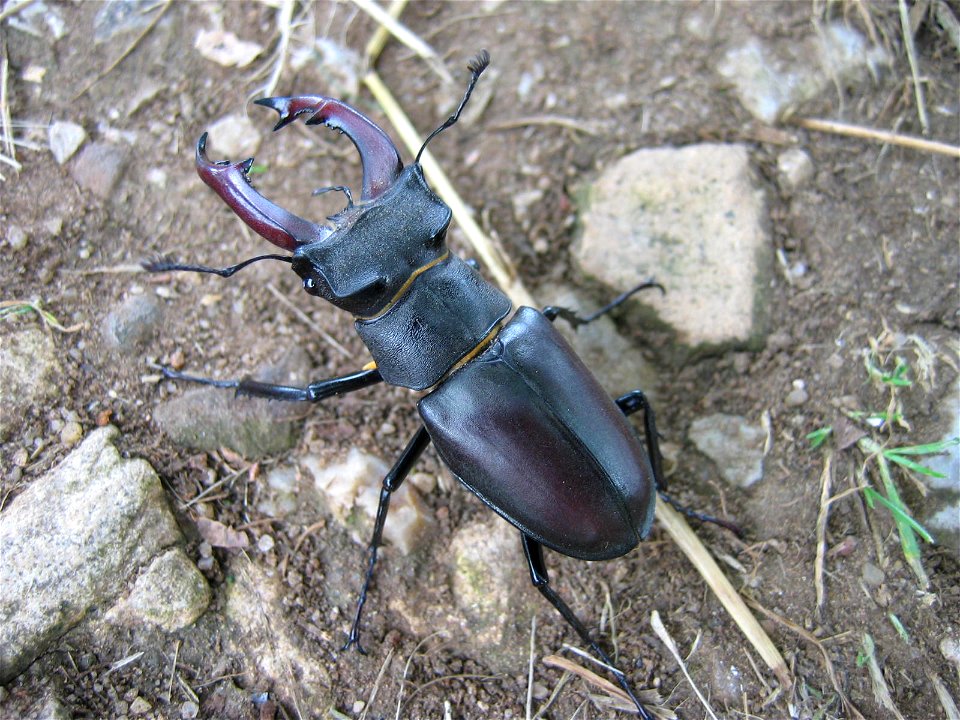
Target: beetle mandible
[(509, 407)]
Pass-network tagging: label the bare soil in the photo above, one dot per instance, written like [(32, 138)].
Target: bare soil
[(877, 228)]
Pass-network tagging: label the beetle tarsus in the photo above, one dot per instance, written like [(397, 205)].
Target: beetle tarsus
[(336, 188), (393, 480)]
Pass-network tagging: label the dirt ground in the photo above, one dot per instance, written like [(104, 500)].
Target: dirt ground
[(876, 228)]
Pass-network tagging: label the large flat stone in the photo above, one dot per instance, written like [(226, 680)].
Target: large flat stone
[(71, 541), (695, 219)]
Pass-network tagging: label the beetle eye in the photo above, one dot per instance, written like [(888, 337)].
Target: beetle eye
[(310, 285)]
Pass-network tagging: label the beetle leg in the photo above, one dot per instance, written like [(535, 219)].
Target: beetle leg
[(398, 473), (631, 403), (541, 580), (314, 392), (553, 312)]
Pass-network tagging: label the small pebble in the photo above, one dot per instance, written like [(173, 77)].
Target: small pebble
[(189, 710), (265, 543), (796, 169), (358, 706), (872, 575), (71, 433), (65, 138), (799, 394), (16, 237), (139, 706)]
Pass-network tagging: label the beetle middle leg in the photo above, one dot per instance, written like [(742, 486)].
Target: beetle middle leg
[(541, 580), (393, 480), (631, 403)]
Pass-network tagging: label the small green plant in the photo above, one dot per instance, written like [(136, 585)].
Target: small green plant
[(9, 308), (907, 457), (819, 436)]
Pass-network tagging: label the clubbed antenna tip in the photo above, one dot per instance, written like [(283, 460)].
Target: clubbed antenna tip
[(476, 67), (479, 63)]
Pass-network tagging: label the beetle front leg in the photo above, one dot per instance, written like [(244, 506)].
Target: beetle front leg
[(393, 480), (541, 580), (314, 392)]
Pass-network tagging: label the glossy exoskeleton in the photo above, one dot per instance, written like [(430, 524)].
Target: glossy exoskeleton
[(509, 407)]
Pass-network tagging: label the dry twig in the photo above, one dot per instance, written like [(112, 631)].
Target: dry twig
[(907, 141), (401, 32), (129, 49)]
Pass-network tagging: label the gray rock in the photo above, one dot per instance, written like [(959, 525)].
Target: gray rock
[(235, 136), (693, 217), (941, 508), (28, 373), (98, 168), (795, 169), (772, 82), (16, 237), (133, 323), (65, 138), (210, 418), (70, 541), (615, 361), (351, 491), (273, 641), (493, 592), (733, 444), (171, 594)]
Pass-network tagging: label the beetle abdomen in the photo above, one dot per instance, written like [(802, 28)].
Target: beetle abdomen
[(527, 428)]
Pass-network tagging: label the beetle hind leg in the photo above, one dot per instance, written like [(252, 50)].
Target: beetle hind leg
[(631, 403), (541, 580)]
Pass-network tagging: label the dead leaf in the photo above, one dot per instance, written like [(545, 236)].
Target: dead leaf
[(220, 535)]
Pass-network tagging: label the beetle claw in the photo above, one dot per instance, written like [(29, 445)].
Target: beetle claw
[(379, 156), (232, 183)]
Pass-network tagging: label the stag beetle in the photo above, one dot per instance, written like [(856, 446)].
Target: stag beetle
[(509, 406)]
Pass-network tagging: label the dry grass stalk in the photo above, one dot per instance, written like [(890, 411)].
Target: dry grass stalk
[(681, 533), (650, 698), (848, 706), (943, 695), (881, 691), (401, 32), (826, 487), (907, 141), (914, 66), (660, 629)]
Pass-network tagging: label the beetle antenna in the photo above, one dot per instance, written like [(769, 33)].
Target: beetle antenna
[(476, 68), (166, 265)]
